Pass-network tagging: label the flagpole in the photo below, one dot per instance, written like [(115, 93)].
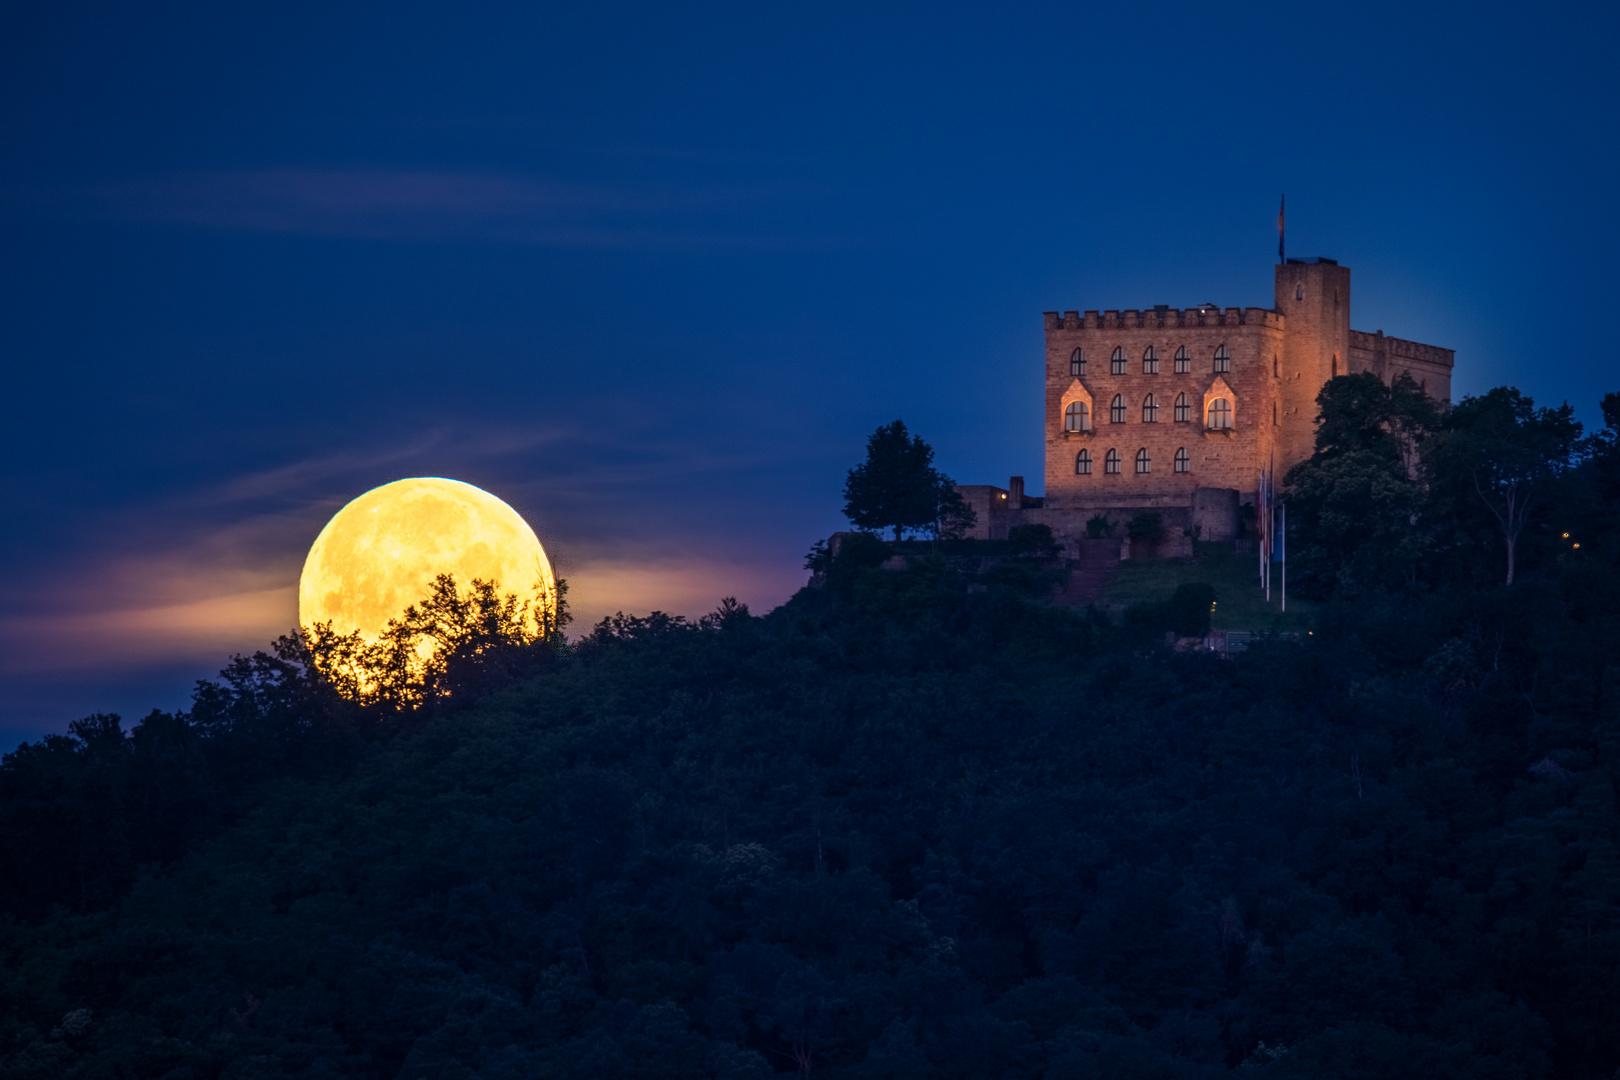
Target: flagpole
[(1262, 524), (1281, 233)]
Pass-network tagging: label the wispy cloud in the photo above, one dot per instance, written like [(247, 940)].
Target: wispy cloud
[(689, 585), (220, 575), (208, 630), (385, 204)]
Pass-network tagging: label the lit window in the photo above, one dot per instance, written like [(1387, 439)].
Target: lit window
[(1076, 417), (1116, 409), (1220, 415), (1183, 409), (1111, 463), (1183, 361), (1150, 361), (1183, 461), (1116, 363), (1077, 363), (1143, 462), (1150, 410), (1223, 361), (1082, 463)]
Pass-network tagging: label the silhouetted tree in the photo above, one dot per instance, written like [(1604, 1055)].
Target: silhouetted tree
[(897, 487), (1354, 506), (1500, 453)]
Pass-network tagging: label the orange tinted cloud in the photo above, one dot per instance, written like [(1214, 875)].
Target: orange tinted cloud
[(689, 586), (208, 628)]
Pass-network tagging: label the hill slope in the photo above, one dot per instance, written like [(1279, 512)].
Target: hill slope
[(897, 828)]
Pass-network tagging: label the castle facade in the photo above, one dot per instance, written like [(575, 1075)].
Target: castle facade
[(1177, 411)]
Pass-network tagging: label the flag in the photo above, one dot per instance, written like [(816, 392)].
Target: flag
[(1280, 206)]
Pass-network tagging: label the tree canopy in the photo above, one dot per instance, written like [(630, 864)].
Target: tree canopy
[(1497, 458), (898, 488), (1399, 489), (914, 823)]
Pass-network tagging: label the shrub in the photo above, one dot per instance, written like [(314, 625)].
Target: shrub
[(1035, 541), (1146, 527)]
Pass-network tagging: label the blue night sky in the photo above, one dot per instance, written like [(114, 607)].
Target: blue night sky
[(652, 274)]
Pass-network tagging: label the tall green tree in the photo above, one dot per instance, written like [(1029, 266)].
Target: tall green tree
[(1496, 461), (898, 488)]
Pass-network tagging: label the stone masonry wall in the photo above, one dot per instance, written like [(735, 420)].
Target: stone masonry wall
[(1389, 357), (1254, 339)]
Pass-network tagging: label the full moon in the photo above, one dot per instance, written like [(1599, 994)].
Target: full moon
[(381, 552)]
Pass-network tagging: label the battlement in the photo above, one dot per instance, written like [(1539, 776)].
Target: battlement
[(1162, 316), (1401, 349)]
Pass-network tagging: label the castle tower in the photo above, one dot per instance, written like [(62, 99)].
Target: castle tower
[(1314, 298), (1176, 411)]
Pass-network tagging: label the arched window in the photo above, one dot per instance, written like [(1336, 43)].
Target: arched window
[(1077, 363), (1150, 410), (1183, 361), (1076, 417), (1116, 363), (1116, 409), (1223, 361), (1183, 409), (1183, 461), (1150, 361), (1111, 463), (1220, 415), (1082, 463), (1143, 462)]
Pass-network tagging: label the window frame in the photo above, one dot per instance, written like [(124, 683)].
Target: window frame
[(1117, 362), (1183, 365), (1150, 410), (1118, 411), (1144, 462), (1074, 409), (1182, 408), (1077, 363), (1082, 463), (1222, 407), (1150, 361), (1223, 360), (1111, 462), (1183, 461)]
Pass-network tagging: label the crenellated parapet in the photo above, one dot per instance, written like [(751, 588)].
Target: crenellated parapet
[(1162, 317), (1151, 406), (1401, 349)]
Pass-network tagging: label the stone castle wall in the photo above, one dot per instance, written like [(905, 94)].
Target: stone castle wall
[(1227, 459), (1389, 357), (1279, 359)]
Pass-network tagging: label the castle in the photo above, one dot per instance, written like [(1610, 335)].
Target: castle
[(1177, 411)]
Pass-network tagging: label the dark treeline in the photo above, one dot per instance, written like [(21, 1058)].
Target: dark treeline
[(911, 824)]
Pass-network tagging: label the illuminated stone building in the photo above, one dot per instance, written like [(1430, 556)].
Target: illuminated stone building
[(1177, 410)]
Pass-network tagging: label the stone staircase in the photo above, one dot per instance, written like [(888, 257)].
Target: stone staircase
[(1098, 562)]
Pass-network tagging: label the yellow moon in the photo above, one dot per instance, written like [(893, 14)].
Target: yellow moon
[(381, 552)]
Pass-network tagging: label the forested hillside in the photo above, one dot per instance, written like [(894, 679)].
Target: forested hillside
[(910, 824)]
